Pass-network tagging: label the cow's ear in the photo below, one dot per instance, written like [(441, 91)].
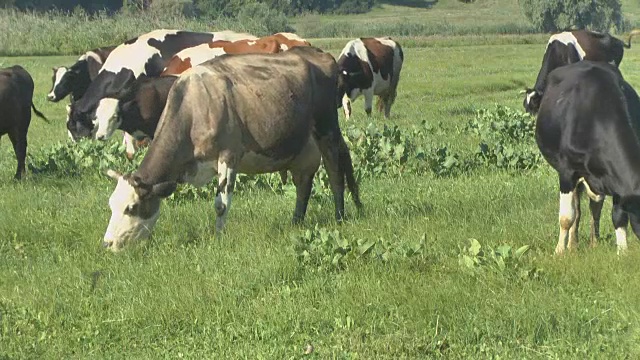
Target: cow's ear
[(113, 174), (143, 190), (163, 189)]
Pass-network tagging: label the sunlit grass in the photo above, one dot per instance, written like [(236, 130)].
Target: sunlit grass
[(245, 295)]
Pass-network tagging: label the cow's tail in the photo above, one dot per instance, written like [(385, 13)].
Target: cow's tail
[(347, 166), (631, 34), (38, 113)]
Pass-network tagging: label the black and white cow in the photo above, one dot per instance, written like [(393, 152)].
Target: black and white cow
[(247, 113), (146, 54), (75, 80), (370, 66), (588, 130), (572, 46)]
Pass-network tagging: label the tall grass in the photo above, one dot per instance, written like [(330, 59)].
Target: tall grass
[(57, 33)]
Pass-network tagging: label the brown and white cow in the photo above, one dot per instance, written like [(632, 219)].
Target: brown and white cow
[(16, 102), (188, 58), (142, 103), (370, 66), (249, 113)]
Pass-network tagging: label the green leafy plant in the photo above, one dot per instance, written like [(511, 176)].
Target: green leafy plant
[(319, 249), (503, 259), (506, 138)]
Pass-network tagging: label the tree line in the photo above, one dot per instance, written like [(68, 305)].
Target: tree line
[(213, 8)]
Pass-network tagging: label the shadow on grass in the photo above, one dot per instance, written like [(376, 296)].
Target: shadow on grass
[(422, 4)]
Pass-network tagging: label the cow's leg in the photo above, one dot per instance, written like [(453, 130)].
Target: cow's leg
[(620, 220), (634, 219), (389, 100), (346, 106), (19, 141), (573, 231), (596, 210), (226, 183), (368, 100), (329, 147), (304, 183), (129, 144), (303, 169), (566, 213)]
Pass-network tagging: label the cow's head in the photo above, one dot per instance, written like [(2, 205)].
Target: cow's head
[(79, 123), (532, 100), (106, 119), (354, 74), (135, 208), (62, 81)]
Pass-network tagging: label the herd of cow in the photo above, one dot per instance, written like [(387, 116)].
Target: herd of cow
[(224, 102)]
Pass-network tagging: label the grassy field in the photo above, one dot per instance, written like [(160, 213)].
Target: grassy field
[(248, 294)]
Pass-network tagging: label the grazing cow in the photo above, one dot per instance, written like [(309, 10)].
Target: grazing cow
[(146, 54), (588, 130), (572, 46), (370, 66), (16, 102), (75, 80), (249, 113)]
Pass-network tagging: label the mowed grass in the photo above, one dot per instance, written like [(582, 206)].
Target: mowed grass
[(186, 293)]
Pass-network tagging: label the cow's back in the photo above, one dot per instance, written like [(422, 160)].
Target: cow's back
[(258, 101), (585, 110), (16, 92)]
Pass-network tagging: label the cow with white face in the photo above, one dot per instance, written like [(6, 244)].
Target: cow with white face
[(135, 208), (92, 115), (75, 80), (247, 113), (370, 66), (570, 47)]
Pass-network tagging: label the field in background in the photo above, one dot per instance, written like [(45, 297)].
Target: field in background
[(249, 294), (54, 34)]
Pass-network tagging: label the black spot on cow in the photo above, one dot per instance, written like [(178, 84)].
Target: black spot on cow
[(154, 66), (174, 43), (131, 41)]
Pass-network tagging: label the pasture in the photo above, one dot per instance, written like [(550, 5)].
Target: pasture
[(399, 281)]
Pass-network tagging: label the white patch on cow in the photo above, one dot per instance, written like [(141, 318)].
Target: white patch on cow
[(290, 36), (70, 136), (567, 216), (251, 43), (283, 47), (134, 56), (229, 35), (621, 239), (93, 55), (529, 96), (356, 47), (127, 141), (346, 105), (568, 38), (58, 77), (123, 227), (201, 53), (106, 121), (202, 174)]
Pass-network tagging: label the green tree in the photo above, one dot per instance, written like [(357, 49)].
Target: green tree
[(556, 15)]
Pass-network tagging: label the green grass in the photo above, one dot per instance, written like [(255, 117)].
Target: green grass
[(186, 293)]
